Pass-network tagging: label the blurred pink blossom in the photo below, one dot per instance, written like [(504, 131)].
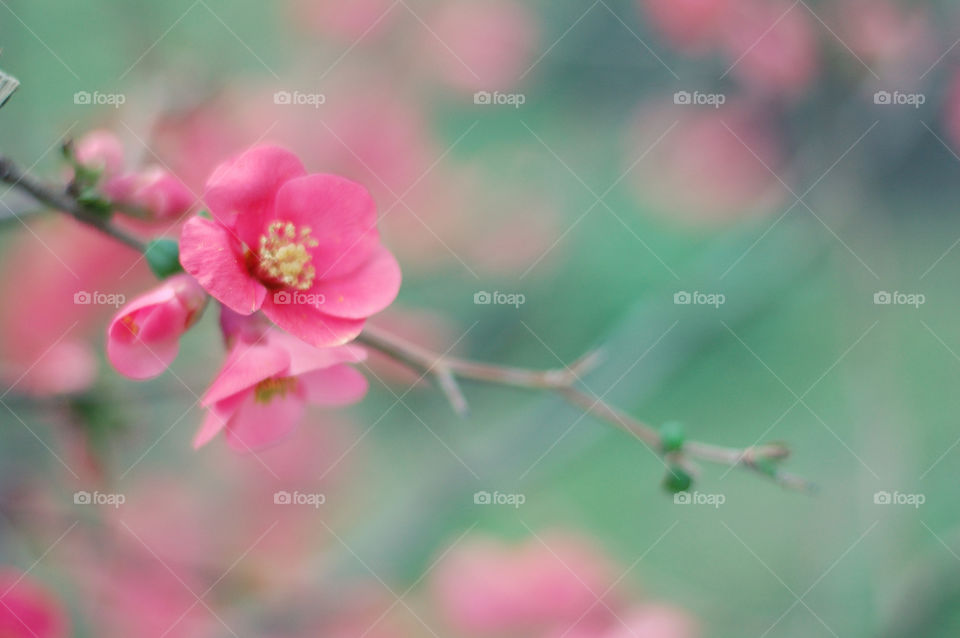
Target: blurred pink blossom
[(45, 332), (350, 21), (772, 46), (714, 166), (481, 44), (101, 150), (27, 610), (152, 190), (485, 586), (689, 25)]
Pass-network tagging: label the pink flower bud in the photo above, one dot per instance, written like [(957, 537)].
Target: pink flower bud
[(101, 150), (154, 190), (143, 338)]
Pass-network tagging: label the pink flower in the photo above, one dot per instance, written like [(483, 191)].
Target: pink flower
[(260, 393), (303, 248), (772, 46), (144, 337), (481, 44), (27, 610), (488, 587), (691, 25), (153, 190)]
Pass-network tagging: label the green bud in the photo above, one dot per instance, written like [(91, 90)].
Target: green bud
[(205, 214), (163, 256), (93, 201), (671, 436), (677, 480)]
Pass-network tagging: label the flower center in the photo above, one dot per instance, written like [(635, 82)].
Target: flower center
[(267, 389), (283, 257)]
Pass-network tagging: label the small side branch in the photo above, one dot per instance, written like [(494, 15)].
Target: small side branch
[(447, 370)]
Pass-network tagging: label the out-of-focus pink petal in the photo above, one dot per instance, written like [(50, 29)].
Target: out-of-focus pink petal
[(27, 610), (654, 621), (365, 291), (342, 218), (256, 424), (210, 253), (247, 185), (339, 385), (100, 149)]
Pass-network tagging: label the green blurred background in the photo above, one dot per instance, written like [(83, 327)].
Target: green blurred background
[(863, 393)]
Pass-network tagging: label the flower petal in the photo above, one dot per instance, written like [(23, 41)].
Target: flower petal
[(218, 415), (210, 253), (365, 291), (342, 218), (246, 366), (311, 325), (247, 185), (138, 360), (257, 424), (339, 385), (304, 358)]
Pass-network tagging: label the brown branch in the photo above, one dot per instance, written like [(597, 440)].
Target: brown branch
[(447, 370), (62, 201)]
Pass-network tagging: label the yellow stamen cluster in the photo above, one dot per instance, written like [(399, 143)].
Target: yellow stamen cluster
[(264, 391), (284, 257)]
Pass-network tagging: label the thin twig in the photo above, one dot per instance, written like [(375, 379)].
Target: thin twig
[(447, 370), (62, 201)]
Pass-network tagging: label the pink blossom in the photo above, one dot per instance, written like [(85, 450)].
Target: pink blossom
[(772, 46), (481, 44), (46, 336), (485, 586), (144, 337), (714, 165), (303, 248), (28, 610), (100, 150), (348, 20), (153, 190), (263, 388), (653, 621), (690, 25)]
